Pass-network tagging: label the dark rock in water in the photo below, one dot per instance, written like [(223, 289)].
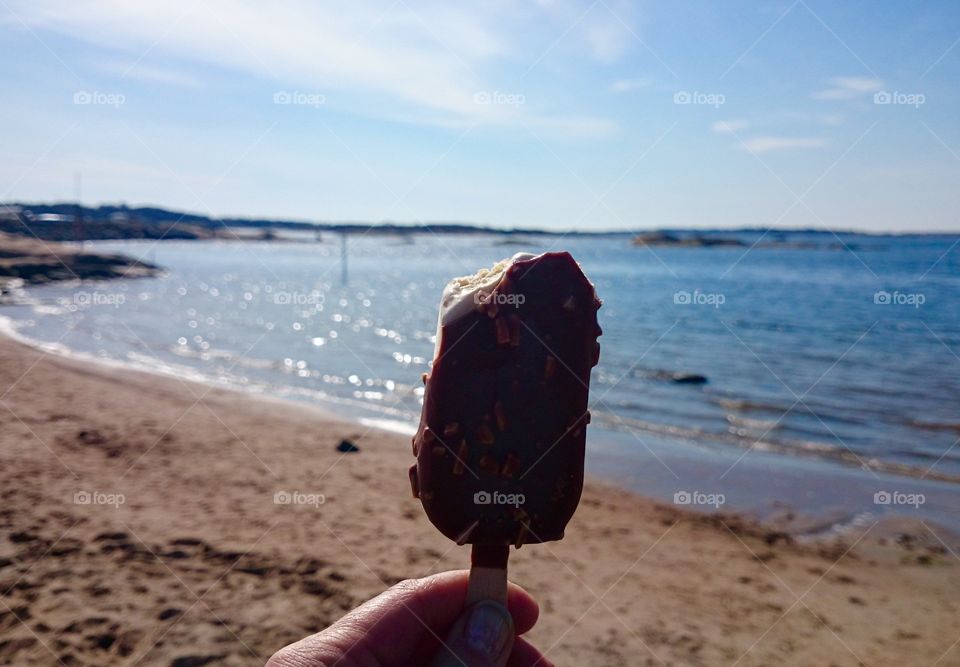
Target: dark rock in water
[(347, 447), (689, 378), (664, 375)]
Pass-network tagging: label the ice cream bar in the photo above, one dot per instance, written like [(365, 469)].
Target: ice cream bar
[(500, 445)]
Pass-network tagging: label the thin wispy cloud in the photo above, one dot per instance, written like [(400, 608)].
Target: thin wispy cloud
[(848, 88), (607, 30), (438, 63), (608, 40), (552, 113), (769, 144), (628, 85)]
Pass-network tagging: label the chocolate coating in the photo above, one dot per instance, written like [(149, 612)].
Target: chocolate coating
[(500, 445)]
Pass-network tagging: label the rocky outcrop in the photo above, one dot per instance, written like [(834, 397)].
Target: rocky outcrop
[(33, 261)]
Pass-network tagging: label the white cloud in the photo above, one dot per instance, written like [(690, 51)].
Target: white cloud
[(767, 144), (848, 88), (426, 60), (628, 85), (729, 126), (604, 28), (607, 40)]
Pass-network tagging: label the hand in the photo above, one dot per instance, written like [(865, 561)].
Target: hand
[(404, 627)]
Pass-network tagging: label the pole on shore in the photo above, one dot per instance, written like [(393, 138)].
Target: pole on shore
[(78, 208)]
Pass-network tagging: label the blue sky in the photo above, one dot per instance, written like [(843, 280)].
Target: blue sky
[(591, 115)]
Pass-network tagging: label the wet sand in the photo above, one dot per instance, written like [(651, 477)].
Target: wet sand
[(139, 526)]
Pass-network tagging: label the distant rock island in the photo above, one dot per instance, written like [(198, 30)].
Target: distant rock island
[(710, 240), (696, 241)]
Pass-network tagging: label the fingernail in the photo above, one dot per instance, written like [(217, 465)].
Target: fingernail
[(488, 629)]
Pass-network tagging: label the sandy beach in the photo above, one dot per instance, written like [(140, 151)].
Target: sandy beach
[(140, 527)]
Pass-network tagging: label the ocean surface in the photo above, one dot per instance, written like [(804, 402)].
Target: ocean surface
[(829, 368)]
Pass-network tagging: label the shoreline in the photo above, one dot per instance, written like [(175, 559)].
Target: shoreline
[(787, 518), (824, 448), (199, 469)]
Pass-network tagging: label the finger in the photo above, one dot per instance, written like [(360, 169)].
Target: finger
[(481, 637), (396, 624), (525, 654), (523, 608)]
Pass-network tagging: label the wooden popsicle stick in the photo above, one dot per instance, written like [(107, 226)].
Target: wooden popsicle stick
[(488, 573)]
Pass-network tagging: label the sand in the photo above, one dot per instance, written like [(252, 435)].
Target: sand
[(139, 526)]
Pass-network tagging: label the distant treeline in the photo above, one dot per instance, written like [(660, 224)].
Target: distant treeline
[(65, 221)]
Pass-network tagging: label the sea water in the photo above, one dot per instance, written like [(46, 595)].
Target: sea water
[(809, 371)]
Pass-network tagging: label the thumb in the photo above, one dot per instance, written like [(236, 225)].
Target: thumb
[(481, 637)]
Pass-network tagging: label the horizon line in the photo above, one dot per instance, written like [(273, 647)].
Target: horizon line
[(476, 227)]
